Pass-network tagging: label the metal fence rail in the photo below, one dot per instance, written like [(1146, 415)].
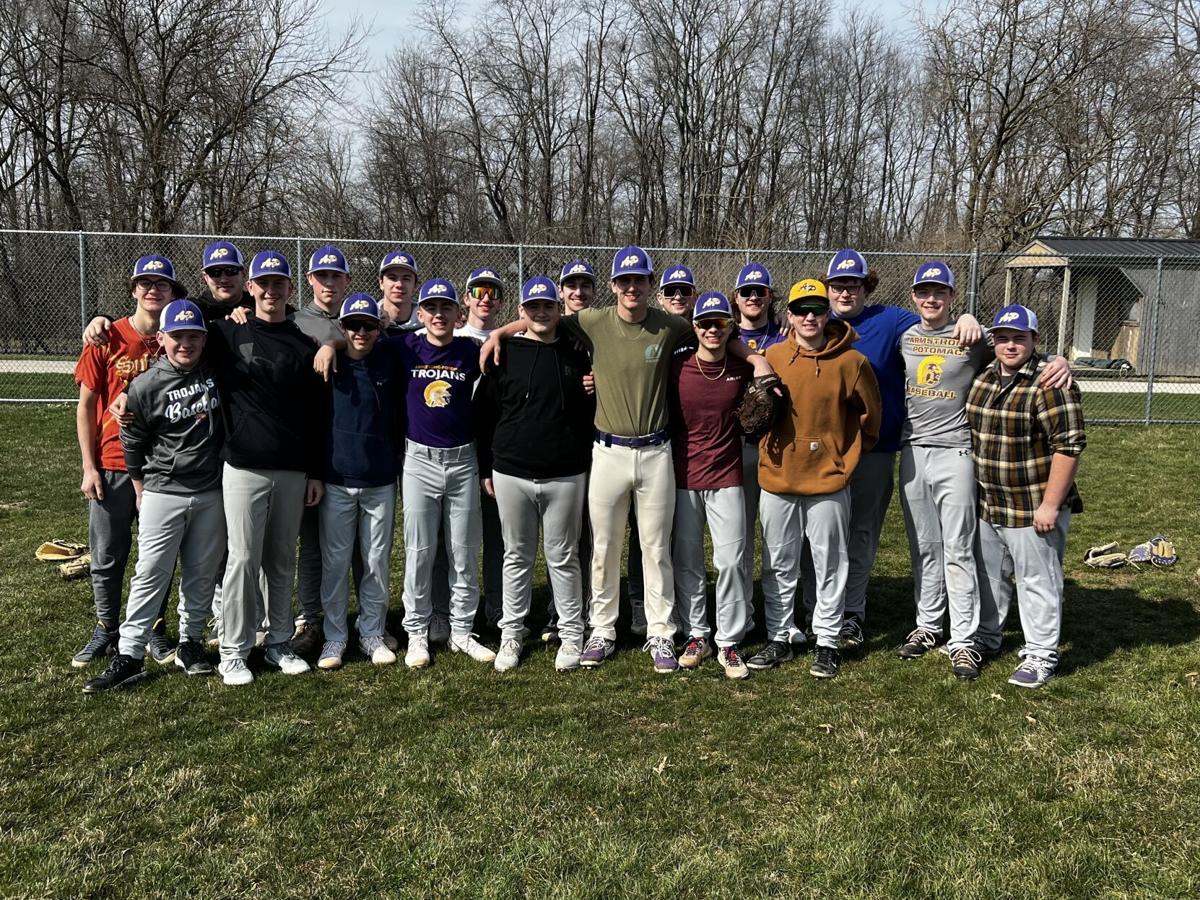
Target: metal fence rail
[(1129, 324)]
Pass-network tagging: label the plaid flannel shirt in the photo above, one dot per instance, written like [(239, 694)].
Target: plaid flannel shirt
[(1016, 428)]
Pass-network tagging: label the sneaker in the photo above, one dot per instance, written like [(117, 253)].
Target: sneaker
[(851, 634), (731, 661), (596, 652), (568, 658), (696, 651), (550, 630), (160, 646), (331, 655), (123, 671), (638, 621), (235, 672), (472, 648), (308, 639), (103, 642), (509, 655), (439, 629), (190, 657), (919, 642), (1032, 673), (826, 662), (377, 651), (417, 655), (772, 655), (965, 662), (662, 651), (281, 657), (389, 641)]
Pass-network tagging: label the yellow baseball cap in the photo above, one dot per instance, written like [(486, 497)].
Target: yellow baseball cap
[(808, 289)]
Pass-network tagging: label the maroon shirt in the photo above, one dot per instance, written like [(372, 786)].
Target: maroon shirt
[(706, 441)]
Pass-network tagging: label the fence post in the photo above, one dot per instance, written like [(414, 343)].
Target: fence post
[(300, 267), (1064, 304), (520, 268), (82, 286), (1153, 360), (973, 283)]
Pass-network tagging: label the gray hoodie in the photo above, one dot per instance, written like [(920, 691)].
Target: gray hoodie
[(173, 444)]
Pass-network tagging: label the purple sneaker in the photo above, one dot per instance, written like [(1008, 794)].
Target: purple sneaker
[(1032, 673), (596, 651), (662, 651)]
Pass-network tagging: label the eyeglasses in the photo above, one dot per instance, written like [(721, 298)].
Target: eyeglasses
[(802, 310), (677, 291), (752, 290), (852, 287), (711, 324), (222, 271), (361, 327), (152, 284), (485, 292)]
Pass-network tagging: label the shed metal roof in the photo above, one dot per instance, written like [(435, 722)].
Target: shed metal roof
[(1056, 250)]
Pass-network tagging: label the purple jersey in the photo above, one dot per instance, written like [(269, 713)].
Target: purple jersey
[(759, 339), (440, 384)]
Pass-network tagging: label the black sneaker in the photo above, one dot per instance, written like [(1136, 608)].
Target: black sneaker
[(919, 642), (772, 655), (123, 671), (189, 656), (160, 646), (966, 662), (851, 634), (308, 640), (102, 643), (826, 663)]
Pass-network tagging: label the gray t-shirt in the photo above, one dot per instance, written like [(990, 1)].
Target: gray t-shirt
[(937, 378), (318, 324)]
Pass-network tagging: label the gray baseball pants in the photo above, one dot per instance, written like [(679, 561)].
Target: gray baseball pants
[(492, 551), (787, 519), (262, 516), (555, 504), (440, 488), (1034, 562), (110, 538), (724, 511), (937, 492), (366, 517), (187, 527), (870, 493)]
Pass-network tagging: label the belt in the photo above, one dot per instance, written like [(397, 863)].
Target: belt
[(446, 454), (645, 440)]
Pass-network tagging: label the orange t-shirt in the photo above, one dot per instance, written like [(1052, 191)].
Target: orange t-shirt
[(107, 371)]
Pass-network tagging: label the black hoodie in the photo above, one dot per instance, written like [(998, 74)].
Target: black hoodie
[(533, 417)]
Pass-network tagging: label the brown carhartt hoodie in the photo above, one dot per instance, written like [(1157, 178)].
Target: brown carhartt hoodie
[(832, 416)]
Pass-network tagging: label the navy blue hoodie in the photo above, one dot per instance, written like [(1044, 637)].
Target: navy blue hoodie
[(365, 420)]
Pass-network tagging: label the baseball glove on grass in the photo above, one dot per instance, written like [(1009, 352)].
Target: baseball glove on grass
[(60, 551), (76, 568), (1106, 556), (1158, 551), (761, 405)]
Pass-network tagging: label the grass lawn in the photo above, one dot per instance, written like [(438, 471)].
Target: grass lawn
[(892, 780)]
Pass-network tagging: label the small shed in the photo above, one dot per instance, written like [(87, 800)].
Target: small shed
[(1126, 298)]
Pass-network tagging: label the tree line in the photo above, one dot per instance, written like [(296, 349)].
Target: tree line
[(774, 124)]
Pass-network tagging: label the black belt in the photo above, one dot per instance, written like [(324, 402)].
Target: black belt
[(645, 440)]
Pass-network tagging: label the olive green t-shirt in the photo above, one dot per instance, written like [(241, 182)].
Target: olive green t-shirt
[(631, 364)]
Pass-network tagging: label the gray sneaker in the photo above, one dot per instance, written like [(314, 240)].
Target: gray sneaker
[(509, 656), (919, 642), (470, 646), (568, 658), (1032, 673), (281, 657), (235, 672), (102, 643), (376, 649), (596, 652), (331, 655), (439, 629), (851, 634)]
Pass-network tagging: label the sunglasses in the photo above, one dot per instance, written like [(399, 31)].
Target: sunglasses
[(485, 292), (361, 327), (676, 291), (801, 310), (710, 324), (753, 290), (222, 271)]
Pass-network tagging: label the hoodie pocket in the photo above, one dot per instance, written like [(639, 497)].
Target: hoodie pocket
[(819, 455)]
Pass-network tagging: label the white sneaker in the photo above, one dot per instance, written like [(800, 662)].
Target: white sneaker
[(282, 658), (376, 650), (417, 656), (472, 648), (331, 655), (439, 629), (509, 655), (389, 641), (235, 672), (567, 658)]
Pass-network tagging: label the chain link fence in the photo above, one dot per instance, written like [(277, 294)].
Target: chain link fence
[(1128, 323)]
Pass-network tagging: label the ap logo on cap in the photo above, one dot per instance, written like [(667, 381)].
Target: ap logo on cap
[(271, 262), (184, 315), (577, 269), (437, 289), (328, 258), (361, 304), (219, 253), (631, 260), (153, 266), (1009, 317), (537, 289), (931, 273), (679, 273), (711, 302), (845, 264)]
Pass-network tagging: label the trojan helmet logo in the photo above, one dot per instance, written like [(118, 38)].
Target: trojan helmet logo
[(1009, 317), (219, 253), (929, 371), (360, 304), (437, 289), (711, 301), (931, 273), (577, 268), (755, 274), (271, 262), (537, 289), (847, 263), (153, 265), (328, 258), (631, 260), (437, 394), (677, 275), (184, 315)]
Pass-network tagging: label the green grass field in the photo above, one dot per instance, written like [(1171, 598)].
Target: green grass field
[(893, 780)]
